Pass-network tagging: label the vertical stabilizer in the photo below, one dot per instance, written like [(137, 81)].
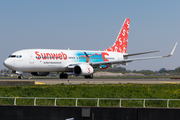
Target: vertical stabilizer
[(120, 44)]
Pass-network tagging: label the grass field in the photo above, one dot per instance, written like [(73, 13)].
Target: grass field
[(162, 91)]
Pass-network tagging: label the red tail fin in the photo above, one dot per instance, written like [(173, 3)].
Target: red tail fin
[(120, 44)]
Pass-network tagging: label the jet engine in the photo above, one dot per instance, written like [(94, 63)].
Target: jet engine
[(40, 73), (83, 69)]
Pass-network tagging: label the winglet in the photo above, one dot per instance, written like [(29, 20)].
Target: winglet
[(172, 51)]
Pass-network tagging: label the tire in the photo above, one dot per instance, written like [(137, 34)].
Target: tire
[(20, 77), (63, 76), (89, 76)]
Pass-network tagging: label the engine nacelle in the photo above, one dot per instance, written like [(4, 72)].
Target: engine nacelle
[(83, 69), (40, 73)]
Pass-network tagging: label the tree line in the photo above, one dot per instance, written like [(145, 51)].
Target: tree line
[(146, 72)]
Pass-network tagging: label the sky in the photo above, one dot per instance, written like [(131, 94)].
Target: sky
[(92, 25)]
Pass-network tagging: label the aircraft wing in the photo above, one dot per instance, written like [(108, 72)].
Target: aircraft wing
[(127, 55), (133, 59)]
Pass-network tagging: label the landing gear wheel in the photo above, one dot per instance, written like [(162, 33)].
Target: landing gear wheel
[(86, 77), (20, 77), (63, 76), (89, 76)]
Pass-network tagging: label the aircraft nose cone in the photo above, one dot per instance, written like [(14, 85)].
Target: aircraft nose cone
[(7, 63)]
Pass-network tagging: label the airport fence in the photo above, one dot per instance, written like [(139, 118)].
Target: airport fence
[(97, 99)]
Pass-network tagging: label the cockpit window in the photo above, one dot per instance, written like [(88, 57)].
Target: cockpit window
[(15, 56), (12, 56)]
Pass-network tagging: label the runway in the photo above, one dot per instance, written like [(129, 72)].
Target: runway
[(50, 81), (106, 81)]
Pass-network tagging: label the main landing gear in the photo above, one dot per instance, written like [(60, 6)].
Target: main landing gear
[(63, 76), (89, 76), (20, 77)]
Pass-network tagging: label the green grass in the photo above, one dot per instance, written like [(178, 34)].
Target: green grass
[(150, 91)]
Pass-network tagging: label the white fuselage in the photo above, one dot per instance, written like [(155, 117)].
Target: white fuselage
[(52, 60)]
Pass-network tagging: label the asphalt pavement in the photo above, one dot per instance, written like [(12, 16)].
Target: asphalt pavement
[(101, 81)]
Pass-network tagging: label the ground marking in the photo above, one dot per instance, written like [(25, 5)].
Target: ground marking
[(39, 83)]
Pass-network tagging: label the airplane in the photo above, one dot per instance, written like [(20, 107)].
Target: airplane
[(40, 62)]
